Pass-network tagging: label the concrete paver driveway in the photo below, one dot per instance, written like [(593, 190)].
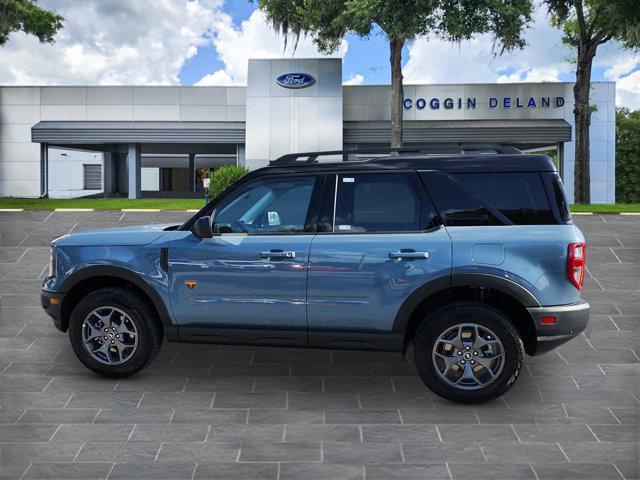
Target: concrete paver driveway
[(205, 411)]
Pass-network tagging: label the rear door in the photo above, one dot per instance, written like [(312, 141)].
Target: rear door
[(376, 244)]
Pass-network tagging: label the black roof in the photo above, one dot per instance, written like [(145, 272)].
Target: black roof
[(481, 163)]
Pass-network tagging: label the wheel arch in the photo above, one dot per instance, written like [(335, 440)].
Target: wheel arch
[(503, 294), (95, 277)]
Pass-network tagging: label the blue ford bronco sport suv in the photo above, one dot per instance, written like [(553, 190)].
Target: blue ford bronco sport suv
[(471, 258)]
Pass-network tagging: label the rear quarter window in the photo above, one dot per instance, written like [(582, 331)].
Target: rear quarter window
[(560, 197), (457, 205), (521, 197)]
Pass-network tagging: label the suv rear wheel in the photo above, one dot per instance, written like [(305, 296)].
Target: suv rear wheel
[(468, 352), (114, 332)]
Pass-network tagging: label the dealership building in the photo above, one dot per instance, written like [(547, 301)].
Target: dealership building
[(151, 141)]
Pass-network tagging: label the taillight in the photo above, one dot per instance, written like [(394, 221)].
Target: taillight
[(575, 264)]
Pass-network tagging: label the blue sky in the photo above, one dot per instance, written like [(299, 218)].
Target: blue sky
[(365, 56)]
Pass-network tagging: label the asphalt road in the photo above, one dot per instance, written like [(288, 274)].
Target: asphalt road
[(204, 411)]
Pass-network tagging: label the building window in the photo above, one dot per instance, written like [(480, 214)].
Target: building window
[(92, 177)]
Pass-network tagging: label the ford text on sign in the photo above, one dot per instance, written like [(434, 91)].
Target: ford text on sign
[(295, 80)]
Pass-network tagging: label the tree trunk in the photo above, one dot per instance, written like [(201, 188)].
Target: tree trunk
[(397, 91), (582, 114)]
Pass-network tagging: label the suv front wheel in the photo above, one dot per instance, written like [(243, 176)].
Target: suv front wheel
[(114, 332), (468, 352)]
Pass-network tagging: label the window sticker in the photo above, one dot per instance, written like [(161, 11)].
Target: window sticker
[(348, 179), (344, 227)]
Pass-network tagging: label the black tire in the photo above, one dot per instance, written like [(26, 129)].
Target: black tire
[(148, 328), (447, 317)]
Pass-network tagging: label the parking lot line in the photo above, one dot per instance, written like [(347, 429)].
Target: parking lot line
[(140, 210), (74, 209)]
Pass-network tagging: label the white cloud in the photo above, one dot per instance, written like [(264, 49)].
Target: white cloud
[(432, 60), (531, 75), (253, 39), (357, 79), (544, 59), (628, 91), (625, 70), (622, 65), (219, 77), (114, 42), (143, 42)]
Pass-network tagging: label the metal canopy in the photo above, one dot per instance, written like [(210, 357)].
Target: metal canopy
[(495, 131), (78, 133), (514, 132)]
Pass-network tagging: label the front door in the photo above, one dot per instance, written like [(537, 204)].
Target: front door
[(247, 284), (381, 245)]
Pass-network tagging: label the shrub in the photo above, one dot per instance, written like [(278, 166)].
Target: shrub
[(627, 156), (223, 177)]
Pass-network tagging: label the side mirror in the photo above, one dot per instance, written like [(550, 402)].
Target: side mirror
[(203, 228)]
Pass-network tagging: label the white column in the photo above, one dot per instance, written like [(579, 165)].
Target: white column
[(44, 170), (133, 170)]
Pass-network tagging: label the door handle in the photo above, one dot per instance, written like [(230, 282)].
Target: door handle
[(277, 253), (407, 254)]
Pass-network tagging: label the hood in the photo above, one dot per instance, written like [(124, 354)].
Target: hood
[(122, 236)]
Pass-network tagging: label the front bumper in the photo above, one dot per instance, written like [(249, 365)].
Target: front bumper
[(570, 321), (52, 303)]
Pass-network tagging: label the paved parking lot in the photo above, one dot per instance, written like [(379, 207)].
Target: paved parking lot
[(205, 411)]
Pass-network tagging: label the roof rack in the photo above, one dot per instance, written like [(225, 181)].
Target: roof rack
[(428, 149)]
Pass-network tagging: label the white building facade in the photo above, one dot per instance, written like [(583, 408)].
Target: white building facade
[(162, 141)]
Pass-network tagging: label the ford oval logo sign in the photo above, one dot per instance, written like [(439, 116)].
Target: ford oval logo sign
[(295, 80)]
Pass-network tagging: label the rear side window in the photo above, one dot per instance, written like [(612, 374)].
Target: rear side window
[(520, 197), (389, 202), (457, 205)]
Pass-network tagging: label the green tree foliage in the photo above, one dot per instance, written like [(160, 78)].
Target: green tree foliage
[(327, 22), (223, 177), (627, 156), (587, 24), (28, 17)]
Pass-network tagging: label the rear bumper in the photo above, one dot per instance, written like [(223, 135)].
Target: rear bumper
[(53, 309), (570, 321)]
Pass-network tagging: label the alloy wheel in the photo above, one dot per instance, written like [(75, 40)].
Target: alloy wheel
[(468, 356), (109, 335)]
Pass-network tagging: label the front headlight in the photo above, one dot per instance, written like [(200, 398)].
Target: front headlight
[(52, 262)]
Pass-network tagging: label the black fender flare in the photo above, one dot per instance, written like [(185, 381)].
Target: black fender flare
[(94, 271), (440, 284)]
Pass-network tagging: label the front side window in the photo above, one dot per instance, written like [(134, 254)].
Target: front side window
[(387, 202), (269, 206)]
